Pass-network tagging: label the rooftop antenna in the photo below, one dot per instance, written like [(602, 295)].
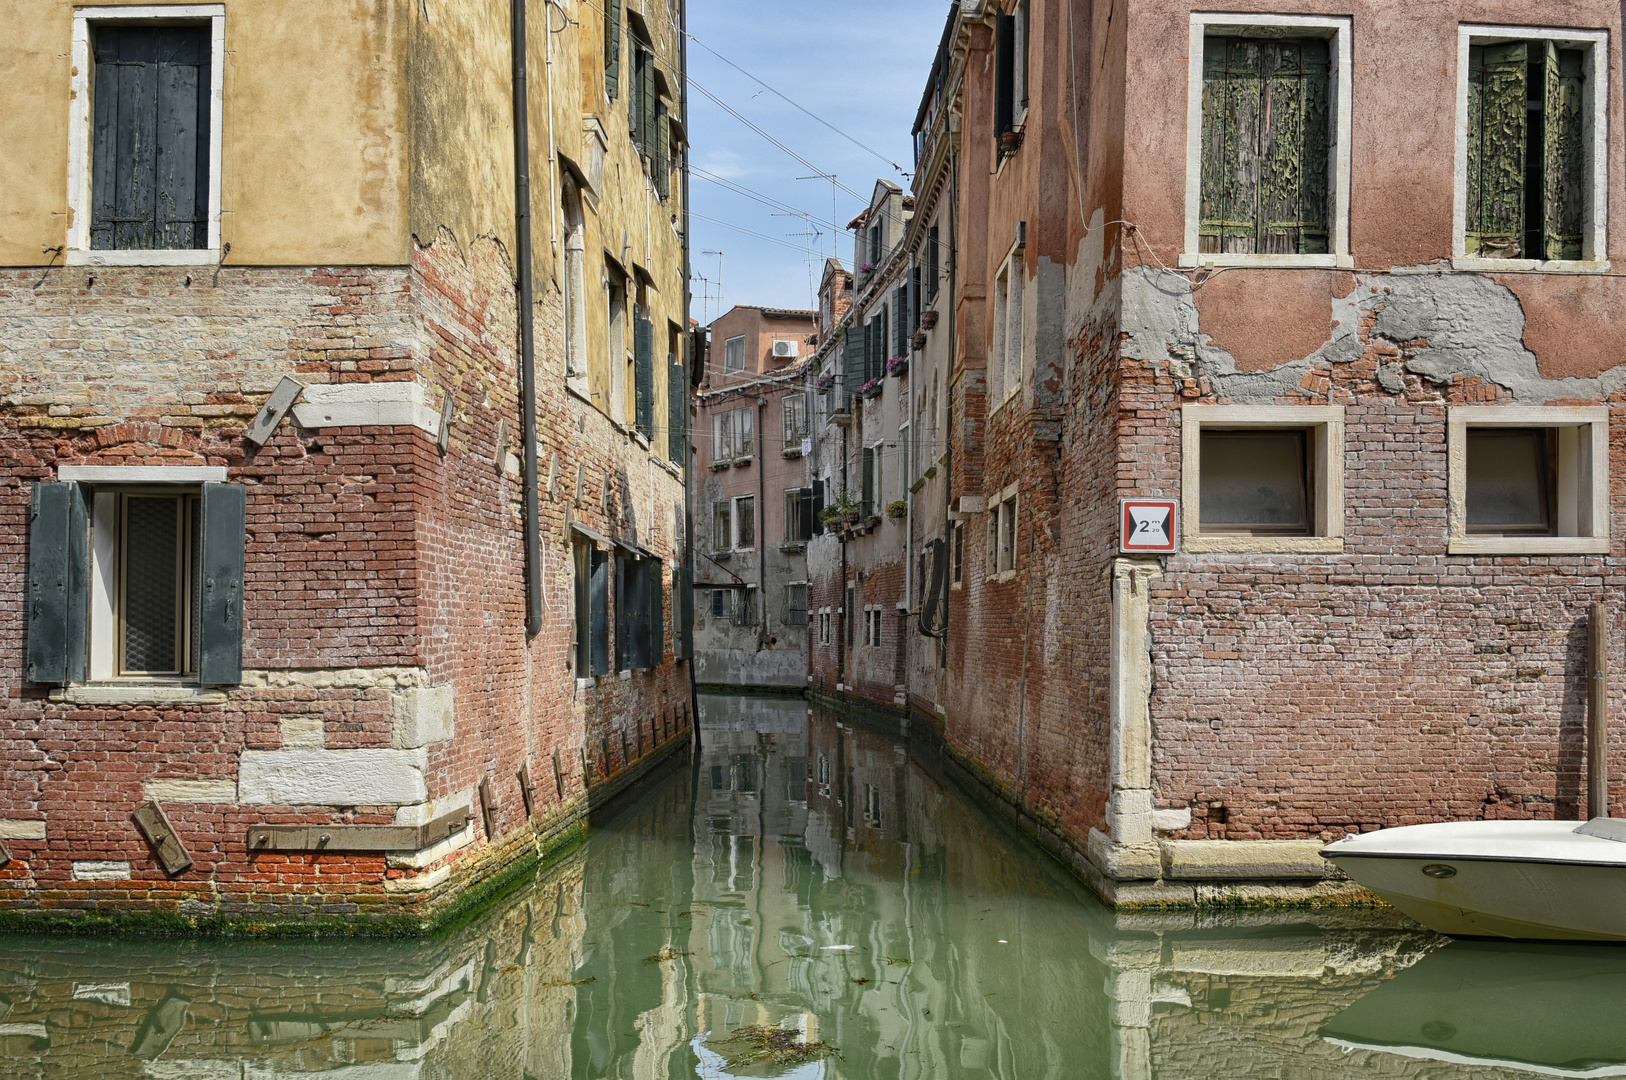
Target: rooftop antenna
[(812, 289), (835, 218), (719, 255)]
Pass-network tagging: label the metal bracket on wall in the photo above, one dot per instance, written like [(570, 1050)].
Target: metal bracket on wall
[(488, 808), (276, 407), (356, 837), (525, 792), (155, 825)]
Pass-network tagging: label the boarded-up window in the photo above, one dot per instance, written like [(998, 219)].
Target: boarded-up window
[(150, 138), (1256, 482), (1526, 153), (1266, 132)]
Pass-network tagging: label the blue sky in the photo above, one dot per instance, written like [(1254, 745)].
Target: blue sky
[(859, 64)]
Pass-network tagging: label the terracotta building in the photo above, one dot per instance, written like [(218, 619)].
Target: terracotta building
[(341, 565), (754, 511), (1338, 286)]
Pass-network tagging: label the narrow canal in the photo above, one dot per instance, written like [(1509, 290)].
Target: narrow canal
[(809, 876)]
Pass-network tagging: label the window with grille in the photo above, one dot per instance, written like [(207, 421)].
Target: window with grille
[(158, 586), (796, 603)]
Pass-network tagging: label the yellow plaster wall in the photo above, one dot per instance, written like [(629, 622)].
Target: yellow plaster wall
[(313, 151)]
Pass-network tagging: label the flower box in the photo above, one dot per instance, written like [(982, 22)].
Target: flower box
[(871, 388), (897, 366)]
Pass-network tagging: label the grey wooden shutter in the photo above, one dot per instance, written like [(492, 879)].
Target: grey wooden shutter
[(677, 414), (1498, 125), (621, 607), (805, 505), (58, 583), (1004, 73), (878, 361), (643, 362), (868, 489), (1563, 154), (932, 258), (224, 532), (853, 362), (150, 138), (817, 505), (900, 322), (657, 613), (599, 601), (612, 47)]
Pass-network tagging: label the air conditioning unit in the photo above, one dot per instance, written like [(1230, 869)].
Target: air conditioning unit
[(784, 350)]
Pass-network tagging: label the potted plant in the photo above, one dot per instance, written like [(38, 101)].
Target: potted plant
[(871, 388), (897, 509), (929, 319), (841, 508), (918, 342), (897, 366)]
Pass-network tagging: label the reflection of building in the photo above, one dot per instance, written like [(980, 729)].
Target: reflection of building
[(754, 510)]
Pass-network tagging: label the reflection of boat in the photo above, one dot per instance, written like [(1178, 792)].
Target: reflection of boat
[(1556, 1010), (1513, 879)]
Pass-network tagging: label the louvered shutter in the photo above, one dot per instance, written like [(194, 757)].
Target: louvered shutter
[(677, 414), (1563, 153), (657, 613), (900, 322), (599, 603), (224, 530), (150, 138), (58, 583), (612, 47), (878, 364), (817, 503), (643, 362), (804, 527), (853, 362), (663, 143), (1498, 122), (1004, 73), (868, 486), (619, 581)]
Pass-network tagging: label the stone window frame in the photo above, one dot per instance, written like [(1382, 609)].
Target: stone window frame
[(1337, 29), (79, 251), (1326, 425), (1010, 306), (1005, 506), (1596, 227), (1592, 484)]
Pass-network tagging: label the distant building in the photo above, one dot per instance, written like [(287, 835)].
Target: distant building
[(754, 511)]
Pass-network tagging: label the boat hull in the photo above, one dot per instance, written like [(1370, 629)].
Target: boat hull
[(1504, 898)]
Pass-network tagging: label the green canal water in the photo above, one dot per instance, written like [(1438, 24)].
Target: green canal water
[(808, 882)]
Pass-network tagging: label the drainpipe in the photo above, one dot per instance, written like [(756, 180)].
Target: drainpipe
[(953, 307), (527, 343), (687, 464), (762, 529)]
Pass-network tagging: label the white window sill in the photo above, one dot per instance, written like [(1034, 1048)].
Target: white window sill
[(138, 694), (1528, 545), (1264, 545), (1003, 575), (577, 385), (1309, 262), (1526, 266), (162, 257)]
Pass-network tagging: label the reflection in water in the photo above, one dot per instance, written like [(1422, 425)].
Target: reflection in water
[(804, 874)]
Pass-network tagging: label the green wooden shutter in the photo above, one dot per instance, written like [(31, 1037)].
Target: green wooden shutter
[(646, 105), (58, 583), (657, 614), (220, 611), (878, 359), (1293, 165), (868, 487), (643, 363), (599, 602), (852, 359), (1563, 153), (1498, 123), (677, 414), (663, 144), (612, 47), (1232, 98)]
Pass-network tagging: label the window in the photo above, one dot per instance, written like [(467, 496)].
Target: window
[(677, 406), (877, 237), (933, 258), (872, 627), (145, 136), (722, 603), (870, 488), (574, 286), (1010, 77), (734, 354), (1533, 183), (731, 435), (795, 406), (643, 372), (1268, 146), (1007, 535), (640, 630), (957, 563), (824, 627), (619, 360), (157, 592), (745, 523), (796, 603), (1005, 359), (849, 616), (612, 47), (798, 515), (745, 608), (592, 596), (1263, 478), (641, 103), (1528, 480)]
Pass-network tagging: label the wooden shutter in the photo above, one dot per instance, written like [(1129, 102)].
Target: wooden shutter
[(150, 138), (224, 530), (1004, 74), (853, 362), (663, 145), (804, 527), (58, 583), (1293, 163), (817, 503), (599, 603), (932, 258), (1563, 153), (1498, 124), (612, 47), (643, 363), (619, 570), (878, 360), (646, 105), (677, 414), (657, 613), (581, 557), (868, 489)]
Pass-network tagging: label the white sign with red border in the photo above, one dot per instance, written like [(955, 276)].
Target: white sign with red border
[(1147, 526)]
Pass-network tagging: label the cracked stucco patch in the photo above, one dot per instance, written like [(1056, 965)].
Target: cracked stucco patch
[(1446, 326)]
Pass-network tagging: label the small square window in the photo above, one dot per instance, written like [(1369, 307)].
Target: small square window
[(1266, 478), (1528, 480)]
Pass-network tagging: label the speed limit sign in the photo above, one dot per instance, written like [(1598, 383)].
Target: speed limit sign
[(1146, 526)]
